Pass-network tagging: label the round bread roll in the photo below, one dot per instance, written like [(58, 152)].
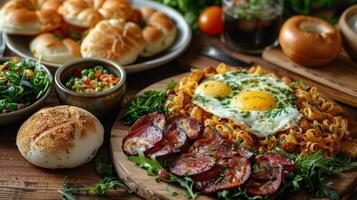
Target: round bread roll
[(30, 17), (87, 13), (159, 32), (309, 41), (60, 137), (55, 49), (114, 39)]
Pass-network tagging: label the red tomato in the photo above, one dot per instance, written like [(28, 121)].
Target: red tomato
[(4, 67), (88, 86), (97, 75), (86, 81), (210, 20), (115, 80)]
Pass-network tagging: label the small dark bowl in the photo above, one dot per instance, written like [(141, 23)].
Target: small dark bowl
[(349, 35), (18, 115), (100, 103)]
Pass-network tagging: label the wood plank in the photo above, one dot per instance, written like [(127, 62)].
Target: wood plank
[(340, 74), (146, 186)]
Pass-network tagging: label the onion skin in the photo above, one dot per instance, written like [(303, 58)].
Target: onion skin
[(308, 48)]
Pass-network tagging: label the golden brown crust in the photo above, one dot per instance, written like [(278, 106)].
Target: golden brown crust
[(87, 13), (114, 39), (157, 25), (41, 13), (321, 41), (54, 49), (53, 129), (159, 32), (152, 34)]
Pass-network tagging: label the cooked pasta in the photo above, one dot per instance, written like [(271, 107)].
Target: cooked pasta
[(321, 126)]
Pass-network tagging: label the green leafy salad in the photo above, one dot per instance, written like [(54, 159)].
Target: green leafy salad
[(22, 82)]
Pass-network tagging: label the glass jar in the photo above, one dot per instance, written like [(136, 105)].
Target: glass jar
[(251, 25)]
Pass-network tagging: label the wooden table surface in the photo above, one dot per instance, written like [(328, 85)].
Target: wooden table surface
[(21, 180)]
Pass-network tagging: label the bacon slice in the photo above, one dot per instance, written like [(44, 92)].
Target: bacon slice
[(144, 133), (262, 168), (200, 157), (224, 147), (210, 174), (141, 139), (287, 164), (264, 165), (207, 150), (191, 164), (190, 126), (173, 141), (157, 119), (266, 187), (235, 172)]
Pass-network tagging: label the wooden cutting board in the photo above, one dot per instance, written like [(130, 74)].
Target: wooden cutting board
[(146, 186), (340, 74)]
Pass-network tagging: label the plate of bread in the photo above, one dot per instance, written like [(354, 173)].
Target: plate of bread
[(138, 34)]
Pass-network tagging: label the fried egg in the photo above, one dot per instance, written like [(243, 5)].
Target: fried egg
[(262, 104)]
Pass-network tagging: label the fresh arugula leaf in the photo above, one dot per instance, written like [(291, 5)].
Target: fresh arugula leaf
[(152, 166), (109, 182), (187, 183), (311, 173)]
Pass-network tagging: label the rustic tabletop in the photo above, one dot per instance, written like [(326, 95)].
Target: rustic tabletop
[(21, 180)]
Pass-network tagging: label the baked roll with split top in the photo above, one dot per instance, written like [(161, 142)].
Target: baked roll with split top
[(159, 32), (87, 13), (114, 39), (30, 17), (55, 49)]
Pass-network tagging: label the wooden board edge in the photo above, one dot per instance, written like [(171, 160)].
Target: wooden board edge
[(138, 186), (267, 55)]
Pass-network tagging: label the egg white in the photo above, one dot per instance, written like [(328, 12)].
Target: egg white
[(261, 123)]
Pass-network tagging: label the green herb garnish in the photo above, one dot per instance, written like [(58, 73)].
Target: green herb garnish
[(149, 102), (152, 166), (311, 173), (171, 85), (109, 182), (201, 99)]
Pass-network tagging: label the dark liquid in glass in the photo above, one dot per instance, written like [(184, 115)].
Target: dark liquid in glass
[(250, 36)]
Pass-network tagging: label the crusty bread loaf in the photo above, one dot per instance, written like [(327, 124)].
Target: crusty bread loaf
[(115, 40), (30, 17), (60, 137), (54, 49), (159, 32), (87, 13)]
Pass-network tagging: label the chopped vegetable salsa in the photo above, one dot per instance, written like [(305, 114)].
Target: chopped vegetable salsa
[(22, 82), (91, 80)]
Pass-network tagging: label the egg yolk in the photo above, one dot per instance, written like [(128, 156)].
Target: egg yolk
[(255, 100), (214, 89)]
